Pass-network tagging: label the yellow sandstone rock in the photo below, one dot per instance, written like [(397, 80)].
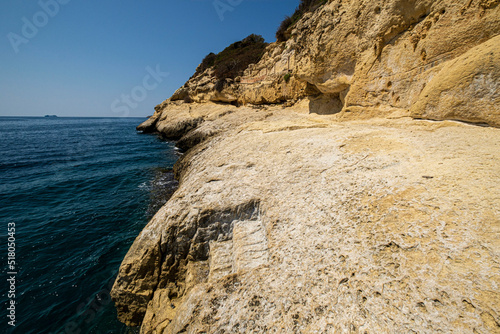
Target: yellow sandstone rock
[(466, 89), (330, 202)]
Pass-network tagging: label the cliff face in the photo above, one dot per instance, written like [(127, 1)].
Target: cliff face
[(366, 58), (314, 202)]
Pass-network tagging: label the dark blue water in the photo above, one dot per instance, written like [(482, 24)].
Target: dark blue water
[(78, 191)]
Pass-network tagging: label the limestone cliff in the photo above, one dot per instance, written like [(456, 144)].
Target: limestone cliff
[(314, 195), (365, 58)]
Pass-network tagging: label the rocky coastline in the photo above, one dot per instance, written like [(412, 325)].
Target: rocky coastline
[(348, 182)]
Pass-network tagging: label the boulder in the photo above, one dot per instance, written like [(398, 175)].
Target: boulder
[(466, 89)]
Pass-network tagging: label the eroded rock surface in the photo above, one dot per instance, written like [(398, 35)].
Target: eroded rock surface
[(316, 204), (299, 223), (466, 89)]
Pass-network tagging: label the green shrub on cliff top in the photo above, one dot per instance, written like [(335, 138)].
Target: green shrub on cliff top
[(207, 62), (282, 34), (233, 60)]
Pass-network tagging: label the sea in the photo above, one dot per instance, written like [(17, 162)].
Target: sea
[(74, 194)]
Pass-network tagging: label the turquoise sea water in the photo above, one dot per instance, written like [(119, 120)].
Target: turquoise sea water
[(79, 190)]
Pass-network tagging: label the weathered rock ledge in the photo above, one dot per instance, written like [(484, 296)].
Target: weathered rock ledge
[(293, 222), (347, 200)]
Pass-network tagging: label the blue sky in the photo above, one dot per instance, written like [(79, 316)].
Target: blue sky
[(116, 58)]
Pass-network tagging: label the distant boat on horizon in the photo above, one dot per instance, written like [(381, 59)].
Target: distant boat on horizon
[(52, 116)]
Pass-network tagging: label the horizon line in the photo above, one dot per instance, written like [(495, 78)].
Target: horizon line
[(52, 116)]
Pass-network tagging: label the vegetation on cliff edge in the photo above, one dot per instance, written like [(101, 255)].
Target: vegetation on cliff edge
[(233, 60), (283, 32)]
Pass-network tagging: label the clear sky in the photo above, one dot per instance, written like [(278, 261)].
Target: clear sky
[(116, 58)]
